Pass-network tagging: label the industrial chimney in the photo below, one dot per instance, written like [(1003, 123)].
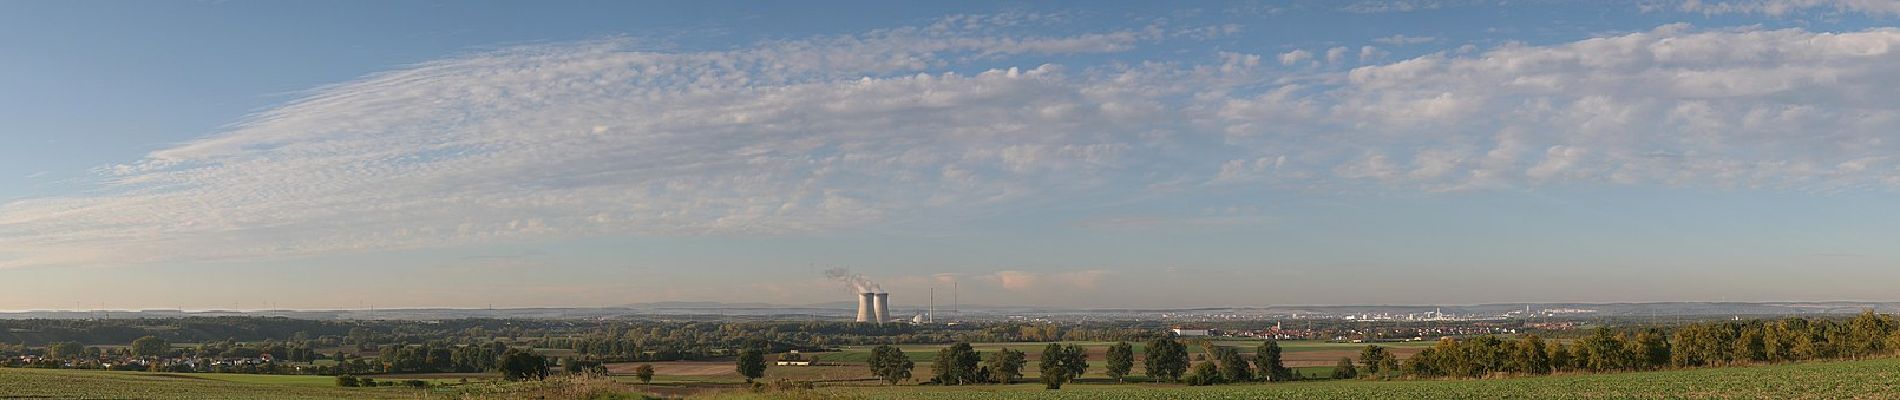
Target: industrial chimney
[(864, 307), (882, 307)]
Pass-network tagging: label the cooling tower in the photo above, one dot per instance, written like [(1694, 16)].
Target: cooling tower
[(864, 307), (882, 307)]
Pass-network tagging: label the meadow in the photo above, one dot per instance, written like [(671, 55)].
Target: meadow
[(87, 384), (1869, 379)]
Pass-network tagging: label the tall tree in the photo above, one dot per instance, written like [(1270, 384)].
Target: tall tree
[(1005, 365), (1373, 357), (65, 350), (890, 364), (1532, 356), (1559, 357), (1232, 367), (1167, 359), (1121, 359), (1604, 351), (150, 346), (1344, 369), (751, 364), (1205, 374), (518, 364), (1061, 364), (1650, 349), (1267, 357), (957, 365)]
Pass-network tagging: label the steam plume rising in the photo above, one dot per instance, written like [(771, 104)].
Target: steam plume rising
[(856, 281)]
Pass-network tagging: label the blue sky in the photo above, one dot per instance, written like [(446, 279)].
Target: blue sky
[(1084, 154)]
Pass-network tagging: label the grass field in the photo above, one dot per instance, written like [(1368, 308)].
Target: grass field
[(1872, 379), (80, 384)]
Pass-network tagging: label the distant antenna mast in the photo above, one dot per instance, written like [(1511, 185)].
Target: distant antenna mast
[(933, 305), (956, 303)]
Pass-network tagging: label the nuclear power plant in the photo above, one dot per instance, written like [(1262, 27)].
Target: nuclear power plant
[(874, 304), (874, 307), (882, 308), (864, 307)]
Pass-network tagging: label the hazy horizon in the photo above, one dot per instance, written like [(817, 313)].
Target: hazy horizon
[(314, 155)]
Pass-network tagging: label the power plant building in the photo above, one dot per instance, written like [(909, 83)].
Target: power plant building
[(864, 307)]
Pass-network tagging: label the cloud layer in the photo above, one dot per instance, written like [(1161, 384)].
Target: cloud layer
[(962, 117)]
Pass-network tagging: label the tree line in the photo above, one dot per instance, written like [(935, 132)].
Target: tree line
[(1706, 344)]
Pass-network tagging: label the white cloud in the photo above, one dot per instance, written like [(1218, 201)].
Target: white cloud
[(1736, 108), (1295, 57), (1786, 7), (1403, 40), (828, 133), (1336, 55), (1391, 6)]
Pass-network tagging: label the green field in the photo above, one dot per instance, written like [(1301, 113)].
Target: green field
[(1872, 379), (81, 384), (1875, 379)]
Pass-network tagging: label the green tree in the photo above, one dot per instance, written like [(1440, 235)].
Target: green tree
[(1267, 357), (1344, 369), (1373, 357), (891, 364), (1532, 356), (1559, 357), (644, 373), (1121, 359), (1005, 365), (1206, 374), (1061, 364), (1867, 334), (1167, 359), (1604, 351), (1650, 349), (1423, 364), (150, 346), (751, 364), (518, 364), (346, 380), (957, 365), (65, 350), (1233, 368)]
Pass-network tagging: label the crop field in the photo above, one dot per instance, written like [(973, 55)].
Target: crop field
[(75, 384), (1874, 379)]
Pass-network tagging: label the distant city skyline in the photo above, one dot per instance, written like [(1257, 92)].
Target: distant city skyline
[(334, 155)]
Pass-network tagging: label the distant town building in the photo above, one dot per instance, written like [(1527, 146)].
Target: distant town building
[(1195, 332)]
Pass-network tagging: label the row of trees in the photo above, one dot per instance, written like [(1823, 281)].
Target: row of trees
[(1695, 345), (1225, 364), (961, 364), (1166, 359)]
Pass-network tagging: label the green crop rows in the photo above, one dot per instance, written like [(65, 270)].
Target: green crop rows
[(1877, 379)]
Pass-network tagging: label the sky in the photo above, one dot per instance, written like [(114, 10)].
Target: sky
[(354, 154)]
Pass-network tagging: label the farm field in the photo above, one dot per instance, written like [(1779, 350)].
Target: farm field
[(1873, 379), (79, 384)]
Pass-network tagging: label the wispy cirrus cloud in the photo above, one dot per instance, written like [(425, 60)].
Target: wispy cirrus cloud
[(1405, 40), (1779, 8), (835, 132)]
